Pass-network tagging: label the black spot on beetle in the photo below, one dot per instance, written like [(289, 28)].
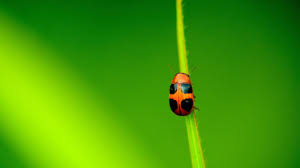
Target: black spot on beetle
[(186, 88), (173, 88), (173, 104), (187, 104)]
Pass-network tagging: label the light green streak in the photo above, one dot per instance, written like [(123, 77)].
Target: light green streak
[(191, 123), (51, 116)]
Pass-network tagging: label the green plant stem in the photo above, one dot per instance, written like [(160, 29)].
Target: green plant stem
[(190, 120)]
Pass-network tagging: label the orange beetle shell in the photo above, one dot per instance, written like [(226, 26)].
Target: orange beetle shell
[(181, 97)]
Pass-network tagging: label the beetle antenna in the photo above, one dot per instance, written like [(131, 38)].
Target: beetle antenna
[(171, 68), (195, 67), (196, 108)]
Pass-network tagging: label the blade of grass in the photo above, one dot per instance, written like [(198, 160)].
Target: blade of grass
[(190, 120)]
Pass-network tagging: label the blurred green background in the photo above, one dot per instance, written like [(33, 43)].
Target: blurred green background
[(85, 83)]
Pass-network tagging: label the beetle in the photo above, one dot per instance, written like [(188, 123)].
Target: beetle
[(181, 97)]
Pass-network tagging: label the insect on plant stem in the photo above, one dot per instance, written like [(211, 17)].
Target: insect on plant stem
[(191, 122)]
